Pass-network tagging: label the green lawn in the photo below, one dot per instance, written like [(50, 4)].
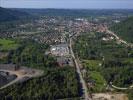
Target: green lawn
[(7, 44)]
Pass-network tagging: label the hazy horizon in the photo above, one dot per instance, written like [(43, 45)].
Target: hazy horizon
[(68, 4)]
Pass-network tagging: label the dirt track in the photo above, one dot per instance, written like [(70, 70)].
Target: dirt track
[(21, 74), (109, 96)]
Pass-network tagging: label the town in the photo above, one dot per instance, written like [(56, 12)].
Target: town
[(71, 57)]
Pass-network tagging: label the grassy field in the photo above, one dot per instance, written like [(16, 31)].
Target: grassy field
[(7, 44), (100, 82), (91, 64), (93, 74)]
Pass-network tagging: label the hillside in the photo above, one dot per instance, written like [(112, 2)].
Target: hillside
[(76, 12), (10, 15), (124, 29)]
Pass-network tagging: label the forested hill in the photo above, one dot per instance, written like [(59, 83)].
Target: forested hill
[(77, 12), (10, 15), (124, 29)]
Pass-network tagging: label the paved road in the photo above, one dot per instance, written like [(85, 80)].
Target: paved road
[(84, 87), (121, 88), (119, 39)]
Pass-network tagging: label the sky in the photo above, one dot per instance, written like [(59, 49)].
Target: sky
[(71, 4)]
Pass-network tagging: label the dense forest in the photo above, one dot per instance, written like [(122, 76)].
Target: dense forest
[(105, 61), (11, 15), (124, 29), (28, 53), (54, 84)]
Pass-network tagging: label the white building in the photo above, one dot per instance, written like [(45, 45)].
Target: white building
[(60, 50)]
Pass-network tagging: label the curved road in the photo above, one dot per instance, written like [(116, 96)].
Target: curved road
[(84, 87), (119, 39), (121, 88)]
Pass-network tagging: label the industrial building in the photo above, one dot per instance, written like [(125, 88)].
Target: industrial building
[(60, 50)]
